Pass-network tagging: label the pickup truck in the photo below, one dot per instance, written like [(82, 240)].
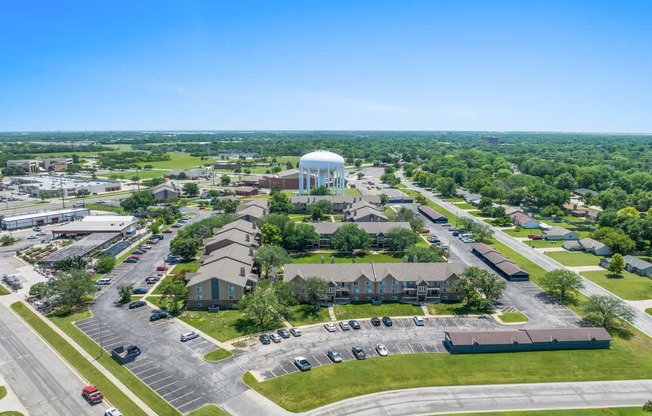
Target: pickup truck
[(92, 394), (125, 354), (535, 237)]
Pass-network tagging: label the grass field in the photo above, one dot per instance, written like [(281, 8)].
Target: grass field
[(451, 308), (544, 243), (117, 397), (3, 290), (3, 392), (611, 411), (11, 413), (314, 258), (218, 355), (128, 174), (574, 258), (179, 161), (465, 206), (367, 310), (208, 410), (630, 286), (223, 325), (306, 315), (520, 232), (513, 317), (106, 208), (297, 392), (351, 192), (648, 311)]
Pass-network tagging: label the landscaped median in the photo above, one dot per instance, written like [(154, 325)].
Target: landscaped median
[(112, 393), (611, 411), (302, 391), (513, 318)]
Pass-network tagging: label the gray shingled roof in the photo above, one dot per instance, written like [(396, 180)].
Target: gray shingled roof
[(557, 230), (429, 211), (459, 338), (568, 334), (637, 263), (236, 252), (225, 269), (341, 272), (366, 211), (242, 225), (368, 227)]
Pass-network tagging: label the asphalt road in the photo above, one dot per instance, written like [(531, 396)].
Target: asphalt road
[(643, 321), (43, 383)]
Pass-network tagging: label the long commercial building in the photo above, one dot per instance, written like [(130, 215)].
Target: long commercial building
[(42, 218), (55, 186), (56, 164)]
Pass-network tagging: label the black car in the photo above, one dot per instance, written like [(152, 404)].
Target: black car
[(138, 252), (387, 321), (354, 324), (139, 290), (158, 315), (264, 338), (375, 321), (283, 333), (137, 304), (358, 353)]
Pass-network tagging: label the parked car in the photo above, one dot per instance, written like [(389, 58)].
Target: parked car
[(130, 260), (139, 290), (112, 412), (145, 247), (152, 279), (275, 337), (264, 338), (443, 246), (158, 315), (152, 241), (295, 332), (137, 252), (535, 237), (41, 234), (381, 349), (187, 336), (387, 321), (32, 237), (167, 231), (345, 326), (375, 321), (161, 268), (283, 333), (137, 304), (358, 352), (354, 324), (302, 364), (418, 321), (330, 327), (177, 225), (36, 229), (92, 394), (334, 356), (134, 257), (456, 233)]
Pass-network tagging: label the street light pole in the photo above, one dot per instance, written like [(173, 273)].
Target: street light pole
[(101, 339)]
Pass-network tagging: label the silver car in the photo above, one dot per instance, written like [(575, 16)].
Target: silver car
[(187, 336)]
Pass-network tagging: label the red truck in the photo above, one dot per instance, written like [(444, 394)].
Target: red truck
[(92, 394), (535, 237)]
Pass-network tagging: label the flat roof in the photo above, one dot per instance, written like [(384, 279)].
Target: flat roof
[(81, 247), (45, 214)]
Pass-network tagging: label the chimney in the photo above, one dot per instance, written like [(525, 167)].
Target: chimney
[(247, 237), (253, 225), (242, 271), (574, 206), (251, 251)]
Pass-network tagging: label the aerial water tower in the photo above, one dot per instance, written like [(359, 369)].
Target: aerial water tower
[(327, 169)]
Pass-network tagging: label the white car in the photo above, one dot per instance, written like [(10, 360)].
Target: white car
[(32, 237), (418, 321), (345, 326), (112, 412), (382, 350), (330, 327), (187, 336), (295, 332)]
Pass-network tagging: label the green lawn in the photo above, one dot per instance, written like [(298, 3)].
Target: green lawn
[(574, 258), (179, 161), (314, 258), (351, 192), (513, 317), (451, 308), (367, 310), (630, 286), (454, 199), (543, 243), (106, 208), (223, 325), (465, 206), (3, 392), (297, 392), (128, 174), (298, 217), (307, 315), (648, 311), (11, 413), (3, 290), (218, 355), (208, 410), (611, 411), (520, 232), (116, 396)]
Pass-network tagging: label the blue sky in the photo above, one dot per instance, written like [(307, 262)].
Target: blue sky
[(326, 65)]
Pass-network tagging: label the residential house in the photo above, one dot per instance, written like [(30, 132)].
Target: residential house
[(376, 231), (165, 193), (581, 211), (584, 191), (405, 282), (363, 211), (511, 210), (500, 263), (557, 233), (473, 199), (432, 215), (638, 266), (524, 221), (242, 225), (595, 247)]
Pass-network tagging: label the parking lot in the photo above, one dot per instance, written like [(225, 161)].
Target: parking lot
[(403, 337), (161, 378)]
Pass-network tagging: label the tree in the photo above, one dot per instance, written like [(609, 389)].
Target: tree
[(74, 288), (320, 190), (280, 203), (423, 255), (262, 305), (271, 257), (39, 290), (617, 264), (300, 236), (155, 227), (71, 263), (446, 186), (479, 288), (390, 179), (314, 290), (349, 238), (628, 212), (614, 238), (271, 234), (105, 264), (383, 199), (190, 189), (607, 311), (647, 407), (173, 293), (124, 293), (186, 247), (7, 240), (562, 283), (83, 193), (139, 201), (225, 180), (325, 206), (401, 238)]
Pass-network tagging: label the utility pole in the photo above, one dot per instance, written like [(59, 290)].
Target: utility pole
[(101, 339), (63, 195)]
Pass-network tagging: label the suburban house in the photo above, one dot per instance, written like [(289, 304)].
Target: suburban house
[(511, 210), (165, 193), (405, 282), (560, 233), (340, 202), (524, 221), (376, 231), (584, 191), (500, 263), (526, 340), (432, 215), (632, 265), (588, 245), (473, 199), (363, 211), (581, 211)]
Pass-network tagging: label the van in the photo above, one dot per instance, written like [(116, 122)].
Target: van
[(104, 281)]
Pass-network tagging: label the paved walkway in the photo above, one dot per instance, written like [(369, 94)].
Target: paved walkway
[(549, 249), (331, 312), (579, 269)]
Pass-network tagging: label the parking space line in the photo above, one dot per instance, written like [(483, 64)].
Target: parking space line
[(142, 363), (187, 403), (181, 397), (174, 391), (398, 347), (111, 338), (150, 376), (159, 380), (109, 347), (167, 385), (145, 367), (435, 345), (140, 373)]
